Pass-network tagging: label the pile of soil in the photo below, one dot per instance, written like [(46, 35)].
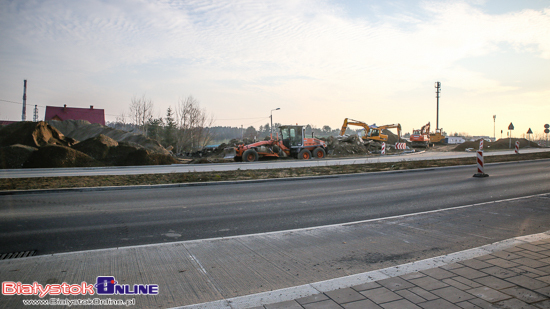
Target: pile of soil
[(146, 157), (40, 145), (392, 138), (59, 156), (15, 156), (500, 144), (96, 147), (112, 153), (82, 130), (346, 145), (33, 134), (504, 143)]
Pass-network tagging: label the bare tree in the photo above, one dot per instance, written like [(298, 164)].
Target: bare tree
[(193, 125), (141, 112), (120, 121)]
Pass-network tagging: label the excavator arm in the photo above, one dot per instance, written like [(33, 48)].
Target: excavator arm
[(354, 123), (392, 126)]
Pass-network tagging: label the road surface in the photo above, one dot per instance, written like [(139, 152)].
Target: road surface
[(61, 222)]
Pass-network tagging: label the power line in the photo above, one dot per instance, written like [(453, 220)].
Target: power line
[(260, 118), (16, 102), (243, 118), (8, 101)]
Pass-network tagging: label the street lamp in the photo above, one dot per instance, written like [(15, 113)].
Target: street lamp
[(494, 121), (271, 116)]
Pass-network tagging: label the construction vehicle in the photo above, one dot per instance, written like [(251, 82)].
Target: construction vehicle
[(437, 137), (293, 144), (421, 138), (392, 126), (372, 133)]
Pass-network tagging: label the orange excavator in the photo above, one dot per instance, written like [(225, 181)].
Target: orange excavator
[(421, 138), (293, 144)]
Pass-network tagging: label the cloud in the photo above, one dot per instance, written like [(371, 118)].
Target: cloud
[(295, 51)]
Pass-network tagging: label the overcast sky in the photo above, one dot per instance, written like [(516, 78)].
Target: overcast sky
[(318, 61)]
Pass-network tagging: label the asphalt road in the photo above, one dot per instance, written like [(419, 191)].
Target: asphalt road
[(270, 164), (64, 222)]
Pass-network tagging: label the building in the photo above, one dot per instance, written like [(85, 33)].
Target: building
[(6, 122), (454, 140), (65, 113), (483, 137)]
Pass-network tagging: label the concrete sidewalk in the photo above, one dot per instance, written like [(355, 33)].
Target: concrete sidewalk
[(514, 273)]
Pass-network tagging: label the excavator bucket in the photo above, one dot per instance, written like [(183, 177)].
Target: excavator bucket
[(229, 153)]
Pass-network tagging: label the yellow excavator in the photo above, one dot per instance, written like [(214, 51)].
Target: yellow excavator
[(392, 126), (372, 133)]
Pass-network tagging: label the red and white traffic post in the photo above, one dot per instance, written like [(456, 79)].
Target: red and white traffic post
[(517, 147), (383, 151), (479, 159)]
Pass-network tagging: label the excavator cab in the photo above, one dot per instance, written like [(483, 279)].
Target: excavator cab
[(373, 132)]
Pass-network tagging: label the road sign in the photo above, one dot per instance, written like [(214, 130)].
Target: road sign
[(511, 126), (529, 132)]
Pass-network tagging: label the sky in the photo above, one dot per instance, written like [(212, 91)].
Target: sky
[(319, 61)]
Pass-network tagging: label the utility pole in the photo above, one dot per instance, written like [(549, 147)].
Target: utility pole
[(494, 125), (35, 118), (437, 92), (24, 114)]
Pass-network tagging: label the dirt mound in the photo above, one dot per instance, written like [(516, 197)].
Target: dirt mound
[(118, 156), (82, 130), (59, 156), (469, 144), (96, 147), (33, 134), (127, 154), (392, 138), (503, 143), (15, 156), (146, 157), (346, 145)]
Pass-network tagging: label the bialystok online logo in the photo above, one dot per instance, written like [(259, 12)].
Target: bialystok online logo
[(105, 285)]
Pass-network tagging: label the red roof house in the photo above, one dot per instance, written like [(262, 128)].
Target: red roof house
[(66, 113)]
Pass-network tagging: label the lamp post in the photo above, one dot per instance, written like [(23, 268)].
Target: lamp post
[(271, 116), (494, 122)]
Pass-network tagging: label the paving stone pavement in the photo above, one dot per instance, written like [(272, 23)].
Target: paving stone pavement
[(517, 277)]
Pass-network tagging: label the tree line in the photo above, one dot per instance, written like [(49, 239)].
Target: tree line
[(188, 127)]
